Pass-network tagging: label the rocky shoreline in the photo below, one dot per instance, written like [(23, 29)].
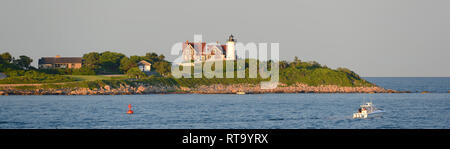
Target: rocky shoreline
[(211, 89)]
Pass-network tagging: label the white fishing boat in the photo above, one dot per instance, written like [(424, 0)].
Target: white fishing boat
[(366, 109)]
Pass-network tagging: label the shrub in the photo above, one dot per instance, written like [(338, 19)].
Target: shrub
[(33, 76), (135, 73)]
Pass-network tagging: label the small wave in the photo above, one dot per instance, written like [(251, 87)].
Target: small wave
[(314, 118), (16, 123), (387, 127), (339, 121), (276, 119)]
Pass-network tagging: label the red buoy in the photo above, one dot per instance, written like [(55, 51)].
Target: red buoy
[(129, 109)]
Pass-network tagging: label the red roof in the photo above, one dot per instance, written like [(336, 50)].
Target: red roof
[(201, 49), (54, 60)]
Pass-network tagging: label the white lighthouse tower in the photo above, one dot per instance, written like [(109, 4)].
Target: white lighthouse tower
[(231, 51)]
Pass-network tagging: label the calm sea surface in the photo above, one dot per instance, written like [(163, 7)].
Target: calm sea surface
[(295, 111)]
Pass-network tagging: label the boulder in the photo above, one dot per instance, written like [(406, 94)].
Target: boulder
[(107, 87), (140, 89)]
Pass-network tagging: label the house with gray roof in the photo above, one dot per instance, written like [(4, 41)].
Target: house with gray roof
[(60, 62)]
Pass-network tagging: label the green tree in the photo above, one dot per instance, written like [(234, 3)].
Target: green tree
[(110, 61), (161, 57), (6, 58), (283, 64), (23, 62), (314, 64), (126, 64), (135, 73), (162, 67), (296, 63), (349, 72), (92, 60), (136, 58), (297, 60), (7, 63), (151, 57)]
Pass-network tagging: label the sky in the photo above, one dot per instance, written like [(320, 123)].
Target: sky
[(374, 38)]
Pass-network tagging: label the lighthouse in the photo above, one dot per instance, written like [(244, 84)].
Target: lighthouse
[(231, 51)]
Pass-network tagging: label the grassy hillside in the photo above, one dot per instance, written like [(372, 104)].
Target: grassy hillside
[(95, 77), (32, 76), (310, 73), (321, 76)]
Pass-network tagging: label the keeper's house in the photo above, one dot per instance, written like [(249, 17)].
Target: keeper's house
[(144, 66), (200, 51), (60, 62)]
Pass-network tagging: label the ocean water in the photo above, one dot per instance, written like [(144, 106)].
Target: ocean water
[(256, 111), (413, 84)]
